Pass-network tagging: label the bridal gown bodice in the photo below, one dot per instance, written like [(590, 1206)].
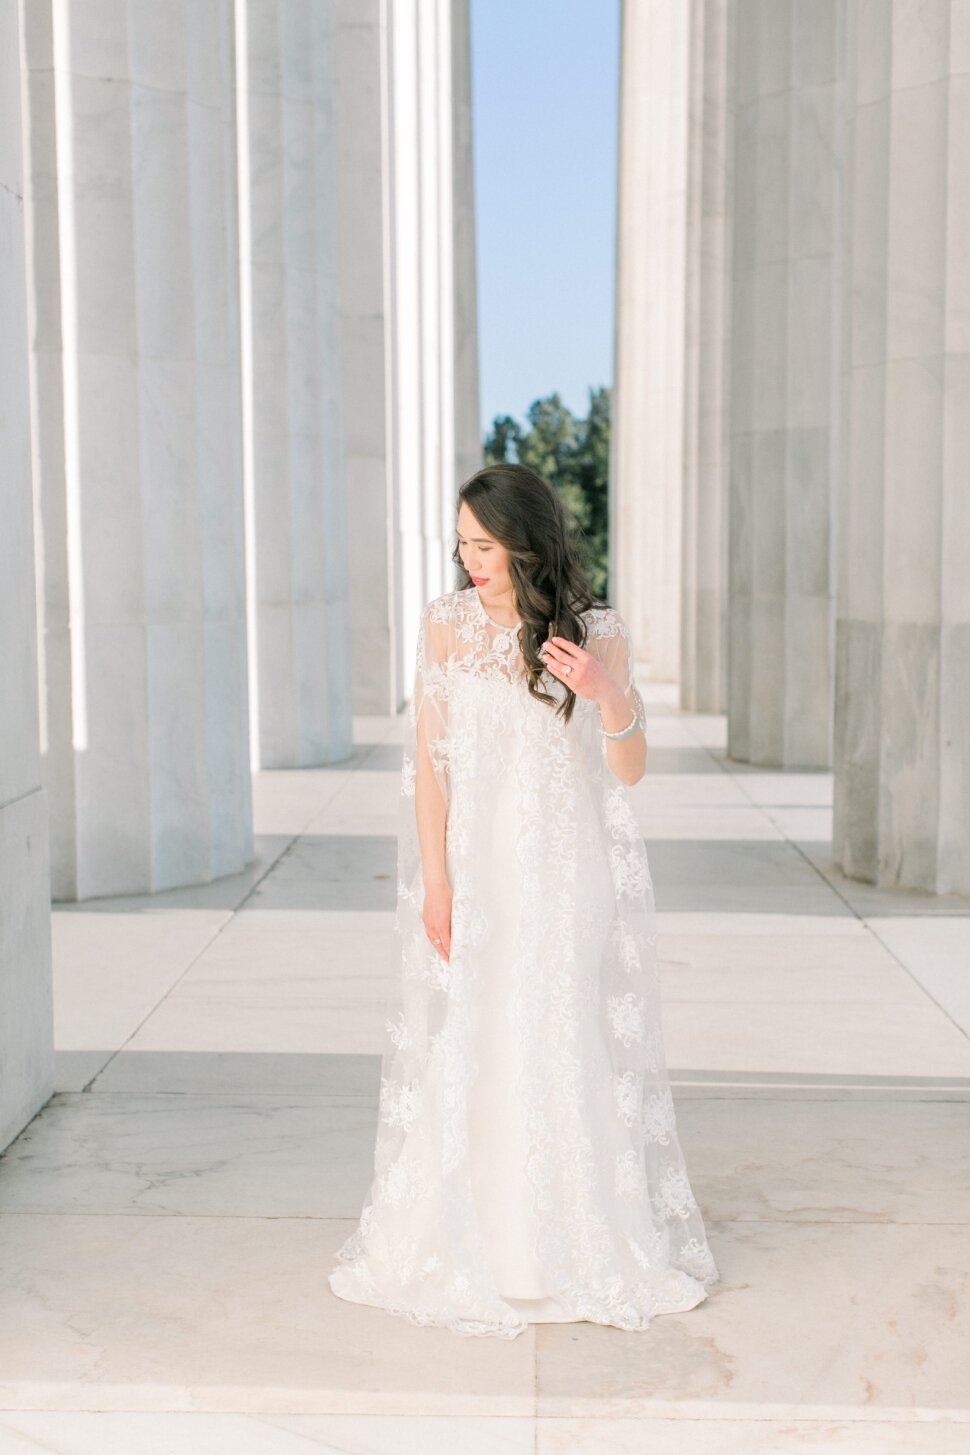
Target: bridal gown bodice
[(527, 1164)]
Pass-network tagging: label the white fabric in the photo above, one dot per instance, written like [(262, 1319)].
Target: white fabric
[(527, 1165)]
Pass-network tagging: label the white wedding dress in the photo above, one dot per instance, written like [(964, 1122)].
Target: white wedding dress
[(527, 1166)]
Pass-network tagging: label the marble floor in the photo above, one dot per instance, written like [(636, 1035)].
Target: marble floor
[(168, 1220)]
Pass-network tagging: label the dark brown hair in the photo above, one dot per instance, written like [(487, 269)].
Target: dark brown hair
[(525, 515)]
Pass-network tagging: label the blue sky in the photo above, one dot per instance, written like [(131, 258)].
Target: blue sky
[(544, 99)]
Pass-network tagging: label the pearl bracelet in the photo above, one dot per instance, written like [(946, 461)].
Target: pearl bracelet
[(624, 732)]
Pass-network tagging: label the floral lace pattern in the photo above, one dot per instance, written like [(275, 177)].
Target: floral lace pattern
[(620, 1236)]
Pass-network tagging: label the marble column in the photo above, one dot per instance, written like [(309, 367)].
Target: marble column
[(710, 142), (296, 504), (646, 454), (902, 742), (133, 276), (785, 361), (371, 533), (464, 294), (434, 408), (26, 1010)]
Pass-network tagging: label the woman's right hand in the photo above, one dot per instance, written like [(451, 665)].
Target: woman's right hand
[(437, 916)]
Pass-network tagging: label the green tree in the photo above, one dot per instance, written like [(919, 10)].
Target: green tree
[(574, 456)]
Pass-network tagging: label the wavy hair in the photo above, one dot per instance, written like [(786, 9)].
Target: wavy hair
[(525, 515)]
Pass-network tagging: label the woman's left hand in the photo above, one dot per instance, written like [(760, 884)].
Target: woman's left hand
[(587, 677)]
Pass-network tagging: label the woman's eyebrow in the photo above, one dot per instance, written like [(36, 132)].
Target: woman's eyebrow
[(483, 540)]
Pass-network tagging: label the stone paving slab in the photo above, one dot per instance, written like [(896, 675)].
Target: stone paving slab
[(811, 1319), (310, 1156), (223, 1313), (38, 1432)]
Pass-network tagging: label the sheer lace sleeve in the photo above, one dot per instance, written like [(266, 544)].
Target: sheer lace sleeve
[(425, 751), (429, 701), (610, 641)]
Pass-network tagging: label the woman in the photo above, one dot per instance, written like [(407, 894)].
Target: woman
[(527, 1166)]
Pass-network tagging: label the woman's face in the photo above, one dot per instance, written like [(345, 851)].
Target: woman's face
[(485, 560)]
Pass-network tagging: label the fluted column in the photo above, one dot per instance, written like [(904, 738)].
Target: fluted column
[(133, 276), (646, 464), (26, 1012), (365, 311), (902, 790), (784, 372), (464, 297), (434, 411), (296, 486), (703, 675)]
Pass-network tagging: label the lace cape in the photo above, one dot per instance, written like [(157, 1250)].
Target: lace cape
[(620, 1234)]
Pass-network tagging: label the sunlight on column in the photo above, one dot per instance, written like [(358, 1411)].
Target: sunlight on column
[(63, 98), (246, 368)]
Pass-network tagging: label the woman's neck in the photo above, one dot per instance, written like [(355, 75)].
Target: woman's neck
[(502, 610)]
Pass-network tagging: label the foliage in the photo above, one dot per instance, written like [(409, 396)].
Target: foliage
[(573, 455)]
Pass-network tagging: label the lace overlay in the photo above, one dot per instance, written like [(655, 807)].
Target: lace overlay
[(617, 1233)]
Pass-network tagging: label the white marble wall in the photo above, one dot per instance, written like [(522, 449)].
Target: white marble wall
[(902, 790), (26, 1015), (133, 278), (707, 323), (785, 338), (646, 464), (434, 411), (295, 481)]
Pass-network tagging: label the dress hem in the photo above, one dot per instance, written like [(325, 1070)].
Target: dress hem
[(511, 1330)]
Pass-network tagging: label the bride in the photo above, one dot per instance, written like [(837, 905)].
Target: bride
[(527, 1166)]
